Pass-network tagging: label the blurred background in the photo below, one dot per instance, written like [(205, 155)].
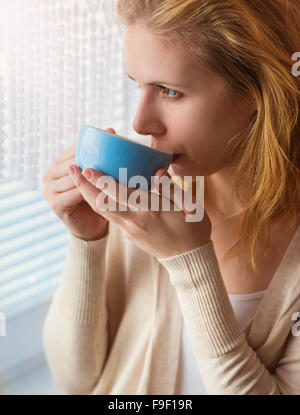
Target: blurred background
[(61, 65)]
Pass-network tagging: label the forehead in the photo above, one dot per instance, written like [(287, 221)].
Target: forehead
[(151, 59), (151, 56)]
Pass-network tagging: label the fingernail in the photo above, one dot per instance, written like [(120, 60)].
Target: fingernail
[(87, 174), (72, 170)]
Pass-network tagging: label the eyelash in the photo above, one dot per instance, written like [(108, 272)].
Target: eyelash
[(163, 88)]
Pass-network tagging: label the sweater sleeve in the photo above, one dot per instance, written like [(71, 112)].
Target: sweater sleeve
[(227, 363), (75, 335)]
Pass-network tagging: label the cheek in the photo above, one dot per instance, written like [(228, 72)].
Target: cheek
[(204, 153), (206, 120), (203, 132), (223, 118), (217, 124)]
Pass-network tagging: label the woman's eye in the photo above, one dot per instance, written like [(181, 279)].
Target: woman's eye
[(167, 91)]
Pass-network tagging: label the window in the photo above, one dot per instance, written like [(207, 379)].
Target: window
[(33, 243)]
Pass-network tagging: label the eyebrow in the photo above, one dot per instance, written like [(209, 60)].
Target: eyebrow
[(159, 83)]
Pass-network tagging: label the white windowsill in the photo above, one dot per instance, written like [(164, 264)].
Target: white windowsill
[(37, 382)]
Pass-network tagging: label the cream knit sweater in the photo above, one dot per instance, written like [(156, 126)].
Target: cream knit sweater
[(114, 323)]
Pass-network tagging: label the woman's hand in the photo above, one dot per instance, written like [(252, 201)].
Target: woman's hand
[(68, 203), (160, 233)]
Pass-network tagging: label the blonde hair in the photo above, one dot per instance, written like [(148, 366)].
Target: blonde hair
[(250, 44)]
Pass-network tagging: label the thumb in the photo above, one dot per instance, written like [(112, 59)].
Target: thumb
[(158, 175), (166, 186), (172, 188)]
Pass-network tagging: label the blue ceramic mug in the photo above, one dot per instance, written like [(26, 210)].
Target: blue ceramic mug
[(108, 152)]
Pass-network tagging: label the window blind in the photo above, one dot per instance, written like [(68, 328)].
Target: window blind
[(33, 243)]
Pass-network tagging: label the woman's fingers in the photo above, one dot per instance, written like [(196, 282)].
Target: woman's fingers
[(71, 198), (62, 184), (102, 202), (59, 170)]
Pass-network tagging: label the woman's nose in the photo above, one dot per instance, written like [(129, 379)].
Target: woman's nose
[(147, 120)]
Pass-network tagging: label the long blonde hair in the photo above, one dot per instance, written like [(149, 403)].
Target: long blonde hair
[(250, 43)]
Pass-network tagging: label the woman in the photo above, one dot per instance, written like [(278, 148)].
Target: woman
[(150, 303)]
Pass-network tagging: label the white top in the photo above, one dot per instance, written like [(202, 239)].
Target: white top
[(190, 381)]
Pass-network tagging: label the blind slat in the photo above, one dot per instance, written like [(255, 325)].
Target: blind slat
[(33, 244)]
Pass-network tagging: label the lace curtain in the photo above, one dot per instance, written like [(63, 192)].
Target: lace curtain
[(61, 64)]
